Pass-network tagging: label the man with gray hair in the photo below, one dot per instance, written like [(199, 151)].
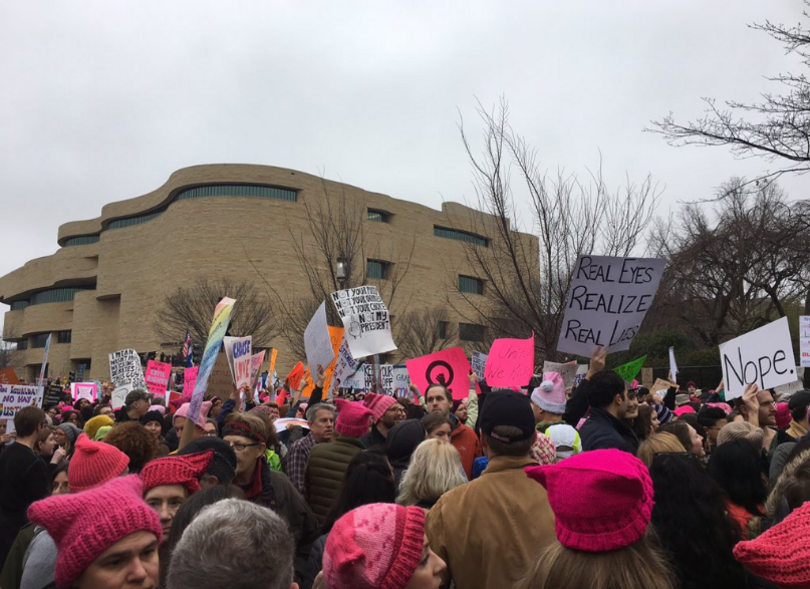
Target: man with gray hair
[(235, 544), (321, 418)]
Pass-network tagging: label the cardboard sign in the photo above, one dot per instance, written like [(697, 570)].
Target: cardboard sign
[(510, 362), (660, 385), (220, 382), (14, 397), (567, 370), (630, 371), (190, 379), (479, 364), (448, 367), (763, 356), (219, 326), (9, 376), (366, 319), (608, 300), (126, 374), (157, 376), (239, 351), (317, 343), (84, 390), (673, 365)]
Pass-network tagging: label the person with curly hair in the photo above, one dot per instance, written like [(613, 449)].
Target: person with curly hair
[(135, 441)]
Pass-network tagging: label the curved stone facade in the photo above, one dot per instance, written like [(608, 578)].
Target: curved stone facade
[(200, 222)]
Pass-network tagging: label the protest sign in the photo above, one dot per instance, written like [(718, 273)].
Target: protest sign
[(256, 365), (41, 380), (190, 379), (510, 362), (804, 340), (317, 344), (84, 390), (157, 376), (336, 337), (220, 383), (126, 374), (366, 319), (9, 376), (447, 367), (345, 366), (293, 379), (629, 371), (273, 356), (52, 395), (356, 380), (660, 385), (239, 351), (402, 381), (784, 391), (219, 326), (673, 365), (763, 356), (607, 302), (14, 397), (478, 363), (567, 370)]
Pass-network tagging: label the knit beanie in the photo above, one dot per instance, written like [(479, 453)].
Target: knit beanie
[(71, 431), (152, 415), (352, 420), (612, 502), (176, 470), (684, 409), (223, 464), (550, 395), (94, 423), (376, 546), (566, 440), (783, 416), (780, 555), (93, 464), (203, 415), (378, 405), (663, 413), (102, 433), (84, 525), (403, 439)]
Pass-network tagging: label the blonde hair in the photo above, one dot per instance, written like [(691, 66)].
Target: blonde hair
[(638, 566), (435, 469), (737, 430), (658, 444)]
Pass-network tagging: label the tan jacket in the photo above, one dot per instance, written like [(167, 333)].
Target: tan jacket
[(490, 530)]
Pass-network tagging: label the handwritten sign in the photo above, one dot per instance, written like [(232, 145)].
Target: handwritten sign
[(629, 371), (402, 381), (608, 300), (219, 326), (763, 356), (345, 366), (510, 362), (157, 376), (256, 365), (804, 340), (126, 374), (447, 367), (239, 351), (567, 370), (660, 385), (84, 390), (14, 397), (189, 379), (479, 363), (366, 319), (316, 341)]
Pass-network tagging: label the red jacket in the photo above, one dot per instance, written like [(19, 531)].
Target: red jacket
[(468, 445)]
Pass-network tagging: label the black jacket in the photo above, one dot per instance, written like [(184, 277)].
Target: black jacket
[(602, 431)]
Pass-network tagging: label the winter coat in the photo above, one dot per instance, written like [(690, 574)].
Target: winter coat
[(315, 562), (602, 431), (464, 440), (324, 475)]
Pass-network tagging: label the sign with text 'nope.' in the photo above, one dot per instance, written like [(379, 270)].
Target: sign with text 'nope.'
[(763, 356), (608, 300)]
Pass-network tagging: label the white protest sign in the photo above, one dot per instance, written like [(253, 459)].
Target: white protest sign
[(317, 342), (763, 356), (478, 361), (366, 319), (84, 390), (402, 381), (673, 365), (804, 340), (239, 351), (345, 366), (567, 370), (608, 300), (14, 397), (356, 381), (126, 374)]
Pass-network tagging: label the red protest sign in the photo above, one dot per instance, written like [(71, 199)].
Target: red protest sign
[(294, 377), (510, 362), (448, 367)]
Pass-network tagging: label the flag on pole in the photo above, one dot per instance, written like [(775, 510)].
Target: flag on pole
[(187, 345)]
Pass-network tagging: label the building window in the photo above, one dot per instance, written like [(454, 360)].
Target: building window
[(19, 305), (470, 285), (38, 340), (378, 216), (55, 295), (63, 337), (470, 332), (458, 235), (377, 269), (137, 220), (81, 240), (238, 190), (443, 325), (22, 344)]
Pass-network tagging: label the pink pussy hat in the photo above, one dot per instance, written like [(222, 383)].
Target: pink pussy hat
[(353, 419), (378, 405), (550, 395), (183, 412), (602, 499)]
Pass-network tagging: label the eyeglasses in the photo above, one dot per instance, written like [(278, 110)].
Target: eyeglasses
[(207, 434), (241, 447)]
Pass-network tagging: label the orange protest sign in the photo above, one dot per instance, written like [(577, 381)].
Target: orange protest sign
[(9, 376), (273, 356), (336, 338), (294, 377)]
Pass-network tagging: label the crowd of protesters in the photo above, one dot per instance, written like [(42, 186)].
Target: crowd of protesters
[(601, 485)]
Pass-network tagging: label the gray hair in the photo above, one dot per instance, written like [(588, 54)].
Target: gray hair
[(313, 411), (236, 544)]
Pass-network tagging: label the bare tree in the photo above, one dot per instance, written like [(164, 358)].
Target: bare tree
[(192, 307), (527, 280), (422, 332), (777, 128), (9, 355)]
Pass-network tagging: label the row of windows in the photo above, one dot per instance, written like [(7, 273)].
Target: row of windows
[(81, 240), (467, 332), (137, 220), (39, 340), (55, 295), (19, 305), (459, 235)]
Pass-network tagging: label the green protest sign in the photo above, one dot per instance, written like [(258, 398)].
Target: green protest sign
[(629, 371)]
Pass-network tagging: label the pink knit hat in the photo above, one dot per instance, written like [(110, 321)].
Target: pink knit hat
[(376, 546), (780, 554), (84, 525), (183, 412), (783, 416), (176, 470), (378, 405), (352, 420), (550, 395), (93, 464), (602, 499), (684, 409)]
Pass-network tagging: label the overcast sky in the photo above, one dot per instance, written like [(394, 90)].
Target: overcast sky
[(102, 101)]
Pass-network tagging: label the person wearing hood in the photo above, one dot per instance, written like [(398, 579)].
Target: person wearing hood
[(401, 443), (386, 412)]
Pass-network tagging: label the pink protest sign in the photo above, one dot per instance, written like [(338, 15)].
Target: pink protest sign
[(448, 367), (84, 390), (190, 379), (157, 376), (255, 365), (510, 362)]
